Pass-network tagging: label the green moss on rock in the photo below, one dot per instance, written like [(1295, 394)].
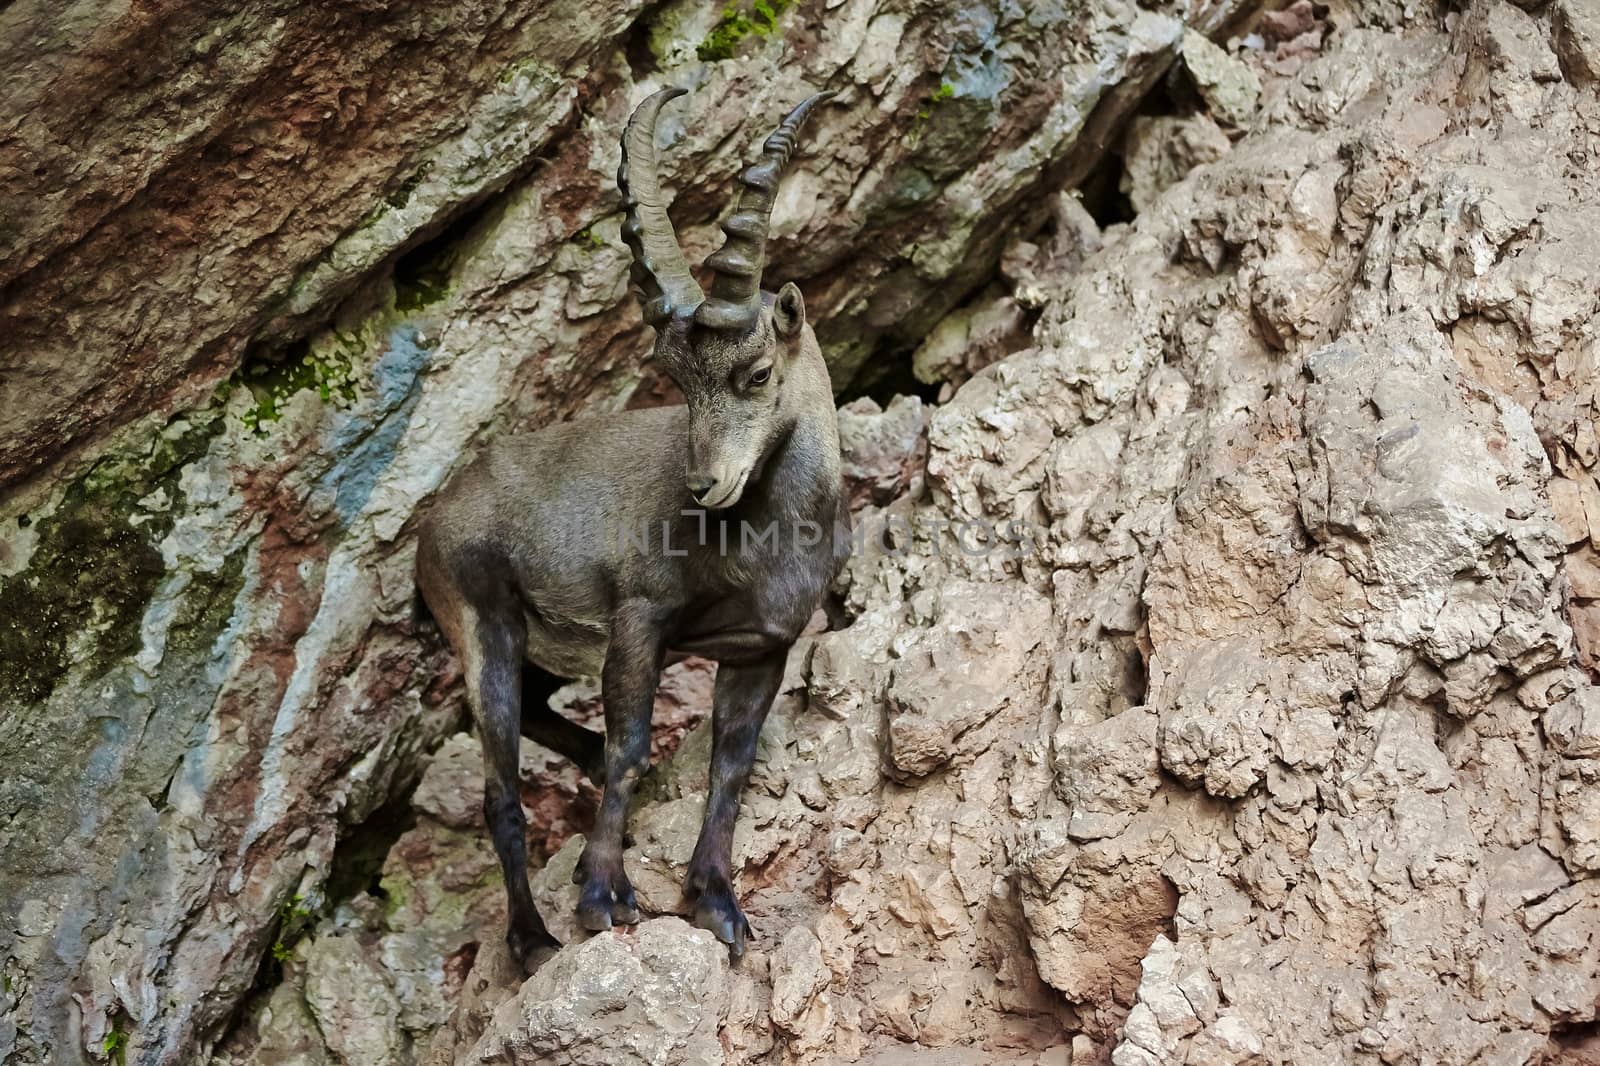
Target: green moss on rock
[(944, 92), (422, 276), (736, 24), (527, 66), (97, 563), (950, 129), (115, 1047), (402, 195), (330, 370)]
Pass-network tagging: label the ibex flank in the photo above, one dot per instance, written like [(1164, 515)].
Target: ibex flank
[(609, 544)]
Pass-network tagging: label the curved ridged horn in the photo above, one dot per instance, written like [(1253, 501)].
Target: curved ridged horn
[(659, 269), (735, 298)]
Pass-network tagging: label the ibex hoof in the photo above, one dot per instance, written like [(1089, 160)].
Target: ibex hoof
[(601, 906), (595, 917), (725, 921), (625, 909), (531, 951)]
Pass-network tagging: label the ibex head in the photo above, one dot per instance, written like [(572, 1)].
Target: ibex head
[(732, 352)]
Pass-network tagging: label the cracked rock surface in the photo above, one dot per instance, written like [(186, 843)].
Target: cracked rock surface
[(1221, 689), (268, 276)]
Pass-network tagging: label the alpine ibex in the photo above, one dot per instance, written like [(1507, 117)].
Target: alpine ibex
[(606, 545)]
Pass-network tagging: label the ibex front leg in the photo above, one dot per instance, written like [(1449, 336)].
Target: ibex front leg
[(743, 696), (628, 687)]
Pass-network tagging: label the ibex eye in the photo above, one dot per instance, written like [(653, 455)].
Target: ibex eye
[(760, 376)]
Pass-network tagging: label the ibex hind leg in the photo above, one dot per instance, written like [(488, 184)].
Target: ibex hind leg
[(493, 668), (585, 748)]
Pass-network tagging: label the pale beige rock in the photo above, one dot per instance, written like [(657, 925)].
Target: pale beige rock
[(1573, 725), (1160, 149), (1589, 490), (1576, 27), (970, 338), (798, 975), (1583, 571), (1275, 745), (956, 675), (1106, 772), (882, 449), (283, 1030), (654, 996), (1228, 1042), (1230, 88), (350, 998), (1567, 502)]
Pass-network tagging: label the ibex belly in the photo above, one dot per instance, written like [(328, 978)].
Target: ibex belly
[(566, 646)]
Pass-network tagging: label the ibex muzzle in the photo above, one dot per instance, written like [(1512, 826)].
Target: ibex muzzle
[(532, 551)]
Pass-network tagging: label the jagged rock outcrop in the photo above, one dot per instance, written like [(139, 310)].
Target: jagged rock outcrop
[(1273, 741), (282, 153), (1215, 682), (268, 276)]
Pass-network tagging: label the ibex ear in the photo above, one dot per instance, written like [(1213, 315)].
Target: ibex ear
[(789, 311)]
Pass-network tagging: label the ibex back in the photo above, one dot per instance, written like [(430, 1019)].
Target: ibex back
[(608, 544)]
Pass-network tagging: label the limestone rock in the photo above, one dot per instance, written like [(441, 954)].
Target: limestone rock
[(269, 277), (970, 338), (352, 1003), (1293, 34), (1577, 40), (1265, 735), (882, 449), (1229, 87), (650, 997), (799, 1005), (1160, 149), (1576, 28), (960, 674), (287, 192)]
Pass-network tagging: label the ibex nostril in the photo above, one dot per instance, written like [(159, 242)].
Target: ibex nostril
[(700, 484)]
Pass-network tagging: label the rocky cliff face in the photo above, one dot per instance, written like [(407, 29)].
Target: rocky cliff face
[(1217, 685)]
